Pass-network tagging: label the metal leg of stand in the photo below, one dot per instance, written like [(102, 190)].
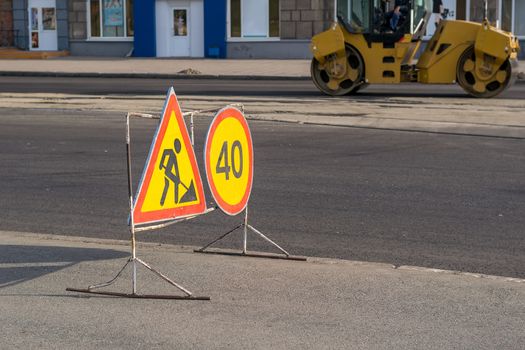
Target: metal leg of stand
[(110, 282), (245, 229), (191, 130), (201, 250), (165, 278), (133, 258), (134, 278), (188, 296), (131, 219), (267, 239), (91, 289), (244, 251)]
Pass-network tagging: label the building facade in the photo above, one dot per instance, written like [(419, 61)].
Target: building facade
[(199, 28), (229, 28)]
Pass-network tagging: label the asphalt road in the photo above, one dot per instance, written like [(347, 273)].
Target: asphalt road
[(297, 88), (440, 201)]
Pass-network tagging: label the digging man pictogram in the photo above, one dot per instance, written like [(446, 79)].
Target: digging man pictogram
[(170, 164)]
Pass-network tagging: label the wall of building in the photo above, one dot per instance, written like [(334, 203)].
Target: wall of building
[(77, 16), (7, 35), (145, 33), (215, 28), (285, 49), (100, 48), (302, 19), (62, 25), (20, 23)]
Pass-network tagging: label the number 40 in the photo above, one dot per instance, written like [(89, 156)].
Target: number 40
[(223, 159)]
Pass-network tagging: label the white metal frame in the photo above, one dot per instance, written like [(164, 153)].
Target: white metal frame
[(102, 37), (133, 259), (242, 38)]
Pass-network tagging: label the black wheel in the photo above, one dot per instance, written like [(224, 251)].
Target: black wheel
[(329, 83), (468, 78)]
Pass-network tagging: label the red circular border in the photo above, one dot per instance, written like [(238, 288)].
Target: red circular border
[(224, 113)]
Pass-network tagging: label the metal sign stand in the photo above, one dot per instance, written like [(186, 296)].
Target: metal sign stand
[(245, 226), (134, 260)]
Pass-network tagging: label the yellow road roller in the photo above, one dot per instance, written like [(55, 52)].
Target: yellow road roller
[(377, 42)]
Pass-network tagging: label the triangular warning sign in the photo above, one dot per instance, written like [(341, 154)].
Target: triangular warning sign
[(171, 186)]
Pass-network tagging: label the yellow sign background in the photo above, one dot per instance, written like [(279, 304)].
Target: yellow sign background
[(232, 190)]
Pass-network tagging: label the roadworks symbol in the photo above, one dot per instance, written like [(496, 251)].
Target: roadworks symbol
[(170, 166), (171, 186)]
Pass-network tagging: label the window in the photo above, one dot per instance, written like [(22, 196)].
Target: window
[(519, 18), (355, 14), (506, 15), (419, 14), (110, 18), (477, 11), (461, 10), (254, 19)]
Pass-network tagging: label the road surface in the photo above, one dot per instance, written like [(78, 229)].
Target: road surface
[(433, 200), (295, 88)]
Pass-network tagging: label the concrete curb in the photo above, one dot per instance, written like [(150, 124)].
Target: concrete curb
[(188, 249), (149, 76)]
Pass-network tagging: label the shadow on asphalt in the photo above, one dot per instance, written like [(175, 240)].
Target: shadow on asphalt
[(37, 261)]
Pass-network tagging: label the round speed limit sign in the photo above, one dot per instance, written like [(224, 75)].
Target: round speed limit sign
[(228, 155)]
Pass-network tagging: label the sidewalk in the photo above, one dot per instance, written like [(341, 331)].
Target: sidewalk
[(255, 303), (164, 68), (159, 68)]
